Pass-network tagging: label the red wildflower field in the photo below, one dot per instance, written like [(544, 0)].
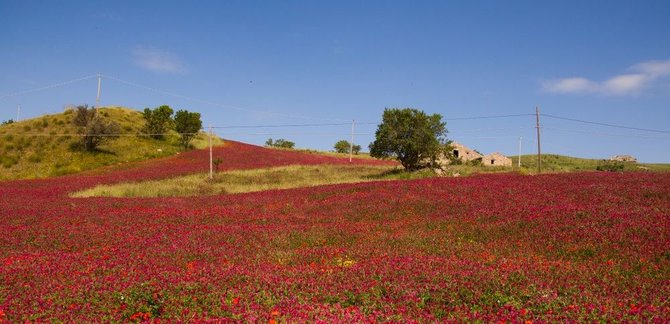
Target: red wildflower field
[(564, 247)]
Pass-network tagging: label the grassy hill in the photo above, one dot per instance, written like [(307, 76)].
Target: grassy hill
[(42, 147), (562, 163)]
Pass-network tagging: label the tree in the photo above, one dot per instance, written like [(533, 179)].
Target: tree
[(344, 146), (93, 128), (158, 121), (7, 122), (187, 124), (281, 143), (409, 135)]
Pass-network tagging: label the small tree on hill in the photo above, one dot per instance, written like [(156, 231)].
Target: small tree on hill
[(158, 121), (410, 136), (7, 122), (187, 124), (281, 143), (93, 128), (344, 146)]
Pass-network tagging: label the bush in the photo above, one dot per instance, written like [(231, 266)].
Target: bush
[(611, 166)]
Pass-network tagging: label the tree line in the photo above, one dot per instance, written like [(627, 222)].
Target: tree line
[(94, 129)]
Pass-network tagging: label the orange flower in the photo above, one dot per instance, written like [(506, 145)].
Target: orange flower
[(275, 313)]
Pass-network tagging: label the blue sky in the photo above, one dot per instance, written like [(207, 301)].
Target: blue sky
[(316, 62)]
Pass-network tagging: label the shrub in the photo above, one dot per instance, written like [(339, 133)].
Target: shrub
[(611, 166)]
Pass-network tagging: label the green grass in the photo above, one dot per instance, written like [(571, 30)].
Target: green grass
[(42, 147), (562, 163), (245, 181)]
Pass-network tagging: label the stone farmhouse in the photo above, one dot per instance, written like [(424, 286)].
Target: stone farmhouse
[(466, 154), (463, 152), (496, 159), (624, 158)]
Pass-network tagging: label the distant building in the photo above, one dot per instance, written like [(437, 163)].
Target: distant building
[(496, 159), (463, 152), (624, 158)]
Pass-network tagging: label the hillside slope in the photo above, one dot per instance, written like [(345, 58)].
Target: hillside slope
[(42, 147), (562, 163)]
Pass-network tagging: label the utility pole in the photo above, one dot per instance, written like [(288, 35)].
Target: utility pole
[(351, 145), (97, 99), (18, 112), (519, 160), (539, 152), (211, 161)]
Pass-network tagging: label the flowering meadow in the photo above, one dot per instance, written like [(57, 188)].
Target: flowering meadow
[(499, 247)]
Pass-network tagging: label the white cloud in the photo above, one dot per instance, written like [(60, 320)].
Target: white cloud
[(644, 75), (570, 85), (157, 61)]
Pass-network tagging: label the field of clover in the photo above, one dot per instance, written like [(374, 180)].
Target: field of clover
[(503, 247)]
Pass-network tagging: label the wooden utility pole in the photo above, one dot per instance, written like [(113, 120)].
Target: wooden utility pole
[(351, 145), (519, 160), (97, 98), (539, 151), (211, 161)]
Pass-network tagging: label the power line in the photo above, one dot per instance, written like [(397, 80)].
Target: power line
[(18, 93), (489, 117), (205, 102), (607, 124), (468, 118), (285, 125), (602, 133)]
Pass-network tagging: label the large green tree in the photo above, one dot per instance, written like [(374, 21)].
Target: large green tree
[(158, 121), (410, 136), (187, 124)]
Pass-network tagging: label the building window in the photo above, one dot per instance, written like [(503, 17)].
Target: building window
[(456, 153), (493, 162)]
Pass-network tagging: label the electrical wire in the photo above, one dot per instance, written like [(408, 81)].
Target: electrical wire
[(18, 93), (275, 126), (607, 124), (205, 102), (602, 133)]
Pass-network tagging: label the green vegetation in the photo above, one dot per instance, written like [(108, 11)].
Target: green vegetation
[(42, 147), (249, 181), (92, 127), (188, 125), (158, 121), (280, 143), (561, 163), (344, 146), (410, 136)]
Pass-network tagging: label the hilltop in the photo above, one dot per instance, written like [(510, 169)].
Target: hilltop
[(42, 147)]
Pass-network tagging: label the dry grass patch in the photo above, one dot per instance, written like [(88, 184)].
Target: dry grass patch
[(239, 181)]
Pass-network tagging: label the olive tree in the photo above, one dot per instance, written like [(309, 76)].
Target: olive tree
[(410, 136), (93, 128), (187, 124)]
